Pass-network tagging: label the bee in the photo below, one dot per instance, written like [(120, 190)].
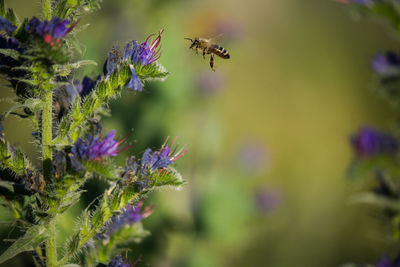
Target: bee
[(208, 47)]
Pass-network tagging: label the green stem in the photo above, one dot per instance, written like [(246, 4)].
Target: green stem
[(46, 9), (51, 249), (47, 154), (47, 119)]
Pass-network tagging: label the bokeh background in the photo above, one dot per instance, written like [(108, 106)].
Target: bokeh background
[(267, 133)]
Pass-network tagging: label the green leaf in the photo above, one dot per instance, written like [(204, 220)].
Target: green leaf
[(65, 70), (154, 71), (7, 185), (10, 53), (103, 168), (168, 177), (32, 238), (11, 16)]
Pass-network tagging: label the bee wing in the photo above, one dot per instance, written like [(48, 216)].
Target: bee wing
[(217, 38)]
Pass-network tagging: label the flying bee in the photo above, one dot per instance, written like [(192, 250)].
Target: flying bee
[(208, 47)]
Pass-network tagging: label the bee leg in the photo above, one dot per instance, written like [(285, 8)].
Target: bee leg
[(204, 53), (212, 62)]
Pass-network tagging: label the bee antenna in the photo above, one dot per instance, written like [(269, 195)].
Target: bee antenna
[(190, 39)]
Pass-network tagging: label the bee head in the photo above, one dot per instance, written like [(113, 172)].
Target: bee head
[(194, 41)]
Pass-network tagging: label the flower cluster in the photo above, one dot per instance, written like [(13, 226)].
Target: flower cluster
[(153, 160), (370, 142), (130, 216), (94, 148), (144, 54), (51, 31), (6, 26)]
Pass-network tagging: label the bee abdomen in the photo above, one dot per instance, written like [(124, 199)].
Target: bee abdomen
[(220, 51)]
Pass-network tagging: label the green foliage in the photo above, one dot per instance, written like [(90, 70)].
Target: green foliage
[(33, 237)]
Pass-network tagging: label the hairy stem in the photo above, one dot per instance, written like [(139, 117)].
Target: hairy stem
[(47, 118), (51, 249), (46, 9)]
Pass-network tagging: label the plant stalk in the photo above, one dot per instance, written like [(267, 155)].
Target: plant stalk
[(51, 249), (46, 9), (47, 154)]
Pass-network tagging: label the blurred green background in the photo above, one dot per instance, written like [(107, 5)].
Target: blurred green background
[(267, 133)]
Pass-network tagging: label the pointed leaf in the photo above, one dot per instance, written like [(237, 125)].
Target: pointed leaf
[(32, 238)]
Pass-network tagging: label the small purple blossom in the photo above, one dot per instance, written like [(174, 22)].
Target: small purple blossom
[(6, 26), (130, 216), (51, 31), (370, 142), (386, 64), (118, 262), (83, 88), (134, 83), (95, 148)]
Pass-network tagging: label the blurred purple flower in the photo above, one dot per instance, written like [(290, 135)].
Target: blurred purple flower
[(253, 157), (370, 142), (51, 31), (209, 83), (361, 2), (229, 28), (385, 261), (118, 262), (268, 200), (83, 88), (95, 148), (385, 64), (6, 26), (130, 216)]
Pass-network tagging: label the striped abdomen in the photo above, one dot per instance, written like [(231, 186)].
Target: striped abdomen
[(219, 51)]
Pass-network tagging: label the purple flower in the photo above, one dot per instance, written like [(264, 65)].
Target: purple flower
[(386, 64), (208, 83), (161, 159), (143, 54), (268, 200), (385, 261), (134, 83), (370, 142), (146, 53), (82, 88), (6, 26), (253, 157), (360, 2), (94, 148), (118, 262), (130, 216), (51, 31), (111, 63)]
